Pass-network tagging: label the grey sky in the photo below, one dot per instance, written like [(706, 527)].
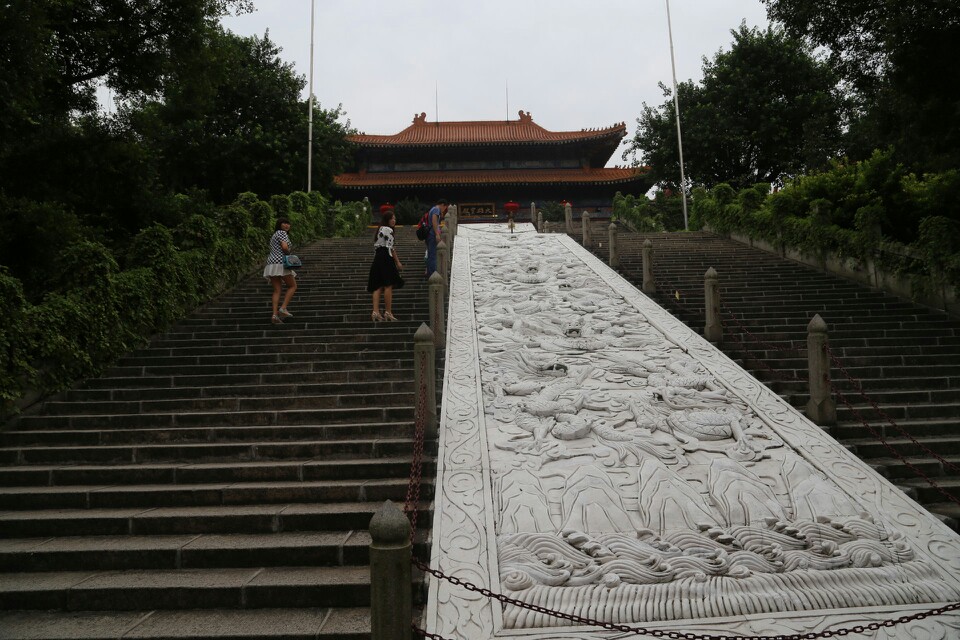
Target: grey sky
[(571, 63)]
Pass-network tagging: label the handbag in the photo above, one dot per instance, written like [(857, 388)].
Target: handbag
[(291, 261)]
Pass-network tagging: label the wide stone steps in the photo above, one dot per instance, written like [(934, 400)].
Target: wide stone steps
[(220, 624), (906, 357), (219, 481)]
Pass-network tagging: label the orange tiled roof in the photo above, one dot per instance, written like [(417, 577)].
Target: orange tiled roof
[(483, 132), (507, 176)]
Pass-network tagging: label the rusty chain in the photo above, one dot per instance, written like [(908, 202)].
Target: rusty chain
[(858, 385), (412, 502)]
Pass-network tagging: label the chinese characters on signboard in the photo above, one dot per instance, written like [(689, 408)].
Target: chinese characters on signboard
[(474, 209)]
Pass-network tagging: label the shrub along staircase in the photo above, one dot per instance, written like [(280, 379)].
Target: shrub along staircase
[(220, 482), (906, 356)]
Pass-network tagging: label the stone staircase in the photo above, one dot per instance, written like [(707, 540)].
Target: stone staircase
[(906, 356), (219, 483)]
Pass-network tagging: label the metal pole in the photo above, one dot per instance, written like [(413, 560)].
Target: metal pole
[(676, 108), (313, 5)]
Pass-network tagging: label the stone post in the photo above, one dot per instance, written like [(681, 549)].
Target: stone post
[(533, 214), (425, 379), (585, 226), (443, 258), (614, 258), (568, 216), (438, 287), (539, 221), (649, 284), (713, 327), (391, 599), (820, 408), (452, 220)]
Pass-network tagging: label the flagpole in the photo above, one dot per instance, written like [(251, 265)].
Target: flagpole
[(310, 102), (676, 108)]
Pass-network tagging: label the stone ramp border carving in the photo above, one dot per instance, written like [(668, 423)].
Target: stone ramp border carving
[(465, 544)]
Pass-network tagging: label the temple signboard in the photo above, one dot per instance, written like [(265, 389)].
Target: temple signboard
[(476, 209)]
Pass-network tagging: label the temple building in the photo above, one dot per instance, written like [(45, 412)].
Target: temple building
[(481, 165)]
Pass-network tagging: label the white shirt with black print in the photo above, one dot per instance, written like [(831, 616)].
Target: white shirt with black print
[(385, 239), (276, 250)]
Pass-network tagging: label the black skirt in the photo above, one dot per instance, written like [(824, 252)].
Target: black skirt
[(383, 271)]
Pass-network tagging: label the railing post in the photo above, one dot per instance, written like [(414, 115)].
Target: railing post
[(614, 258), (713, 326), (391, 599), (452, 220), (533, 214), (443, 259), (539, 221), (585, 227), (821, 408), (649, 284), (568, 216), (438, 288), (425, 380)]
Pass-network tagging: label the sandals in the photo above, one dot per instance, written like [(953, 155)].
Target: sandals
[(276, 320), (284, 313), (376, 317), (389, 316)]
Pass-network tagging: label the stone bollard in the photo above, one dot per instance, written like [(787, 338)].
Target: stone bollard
[(713, 327), (447, 239), (452, 220), (425, 379), (391, 573), (614, 258), (585, 227), (649, 284), (539, 221), (533, 214), (443, 258), (438, 289), (568, 216), (820, 408)]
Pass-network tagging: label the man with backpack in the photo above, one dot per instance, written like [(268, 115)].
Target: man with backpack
[(434, 217)]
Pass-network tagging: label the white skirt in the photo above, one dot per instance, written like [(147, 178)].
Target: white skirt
[(275, 270)]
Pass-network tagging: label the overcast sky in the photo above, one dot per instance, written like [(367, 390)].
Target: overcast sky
[(572, 64)]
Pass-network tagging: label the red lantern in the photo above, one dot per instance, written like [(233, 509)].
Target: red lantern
[(511, 207), (386, 206)]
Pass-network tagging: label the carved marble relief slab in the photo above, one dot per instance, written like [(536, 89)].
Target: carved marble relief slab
[(599, 458)]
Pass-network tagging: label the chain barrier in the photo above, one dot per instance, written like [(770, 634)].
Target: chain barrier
[(411, 507), (858, 385), (412, 503), (879, 436), (660, 633)]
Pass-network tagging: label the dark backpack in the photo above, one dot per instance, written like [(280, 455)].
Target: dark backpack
[(423, 228)]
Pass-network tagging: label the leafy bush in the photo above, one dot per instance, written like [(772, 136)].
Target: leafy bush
[(639, 212), (853, 210), (407, 211), (91, 312)]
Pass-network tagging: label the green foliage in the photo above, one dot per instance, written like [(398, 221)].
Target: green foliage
[(407, 211), (92, 311), (853, 210), (552, 211), (765, 110), (30, 232), (639, 212), (897, 59), (281, 205), (349, 219), (16, 344)]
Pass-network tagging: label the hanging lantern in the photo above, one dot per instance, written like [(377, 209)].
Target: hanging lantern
[(564, 203)]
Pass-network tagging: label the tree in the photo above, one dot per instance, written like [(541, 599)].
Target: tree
[(236, 123), (766, 109), (900, 60)]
